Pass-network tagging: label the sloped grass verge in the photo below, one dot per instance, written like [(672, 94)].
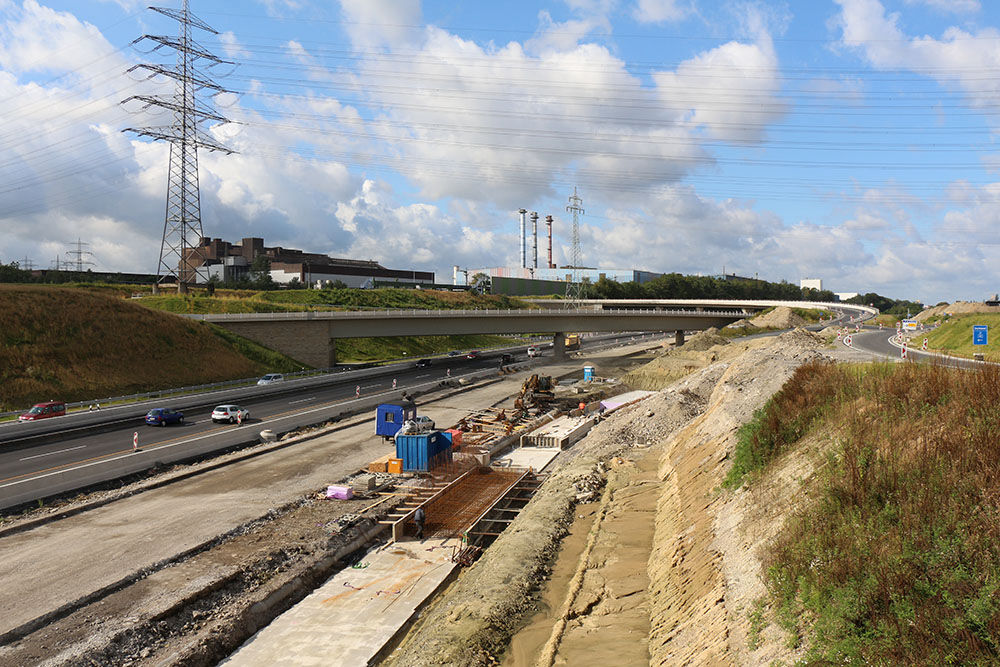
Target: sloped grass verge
[(895, 559)]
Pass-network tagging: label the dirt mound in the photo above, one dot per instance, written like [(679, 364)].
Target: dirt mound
[(781, 317), (705, 340), (957, 308)]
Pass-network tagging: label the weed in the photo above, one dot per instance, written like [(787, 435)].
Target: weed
[(757, 623), (896, 561)]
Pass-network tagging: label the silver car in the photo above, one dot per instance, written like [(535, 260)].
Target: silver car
[(271, 378)]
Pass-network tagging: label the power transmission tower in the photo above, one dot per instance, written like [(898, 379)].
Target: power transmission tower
[(26, 264), (182, 225), (574, 288), (79, 254)]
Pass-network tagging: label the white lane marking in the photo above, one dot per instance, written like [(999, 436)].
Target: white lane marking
[(302, 400), (369, 386), (423, 376), (38, 456)]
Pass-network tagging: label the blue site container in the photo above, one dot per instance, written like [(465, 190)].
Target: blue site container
[(423, 452), (389, 417)]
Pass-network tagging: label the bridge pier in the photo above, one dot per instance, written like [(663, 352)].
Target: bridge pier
[(559, 346), (678, 338)]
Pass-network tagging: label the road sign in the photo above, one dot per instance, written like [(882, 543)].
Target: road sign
[(980, 335)]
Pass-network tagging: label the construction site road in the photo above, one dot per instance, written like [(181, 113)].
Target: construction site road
[(153, 549), (82, 459)]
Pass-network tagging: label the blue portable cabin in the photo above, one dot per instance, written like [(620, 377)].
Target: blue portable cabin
[(389, 417), (422, 452)]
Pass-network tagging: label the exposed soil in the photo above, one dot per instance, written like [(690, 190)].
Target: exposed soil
[(695, 601), (956, 308), (781, 317)]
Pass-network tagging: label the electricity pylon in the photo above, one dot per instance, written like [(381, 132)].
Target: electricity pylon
[(574, 288), (182, 224)]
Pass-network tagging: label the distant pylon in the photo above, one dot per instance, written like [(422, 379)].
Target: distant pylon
[(574, 288), (182, 225), (79, 254)]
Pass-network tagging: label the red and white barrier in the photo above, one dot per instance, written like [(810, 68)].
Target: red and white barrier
[(135, 441)]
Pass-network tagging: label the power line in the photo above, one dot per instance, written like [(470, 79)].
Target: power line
[(182, 226)]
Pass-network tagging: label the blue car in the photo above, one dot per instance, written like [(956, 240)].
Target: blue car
[(164, 416)]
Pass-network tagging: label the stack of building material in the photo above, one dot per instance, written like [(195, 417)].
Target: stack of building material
[(560, 433), (380, 464)]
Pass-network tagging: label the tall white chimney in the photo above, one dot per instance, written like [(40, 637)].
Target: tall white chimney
[(524, 250)]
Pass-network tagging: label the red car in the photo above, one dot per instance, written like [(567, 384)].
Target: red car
[(44, 410), (472, 355)]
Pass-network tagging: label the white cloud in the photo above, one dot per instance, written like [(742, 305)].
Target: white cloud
[(957, 58), (660, 11), (374, 24), (952, 6)]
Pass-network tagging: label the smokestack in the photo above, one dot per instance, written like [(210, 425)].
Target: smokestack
[(534, 242), (548, 223), (524, 258)]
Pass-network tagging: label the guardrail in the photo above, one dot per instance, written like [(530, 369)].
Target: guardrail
[(537, 313)]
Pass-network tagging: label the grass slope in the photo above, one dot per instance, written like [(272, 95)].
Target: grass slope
[(232, 301), (955, 336), (73, 344), (893, 559)]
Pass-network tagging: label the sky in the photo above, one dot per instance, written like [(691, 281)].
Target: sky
[(847, 140)]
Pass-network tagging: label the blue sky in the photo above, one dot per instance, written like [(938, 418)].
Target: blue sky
[(851, 140)]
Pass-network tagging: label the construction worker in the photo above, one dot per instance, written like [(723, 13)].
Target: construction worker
[(418, 518)]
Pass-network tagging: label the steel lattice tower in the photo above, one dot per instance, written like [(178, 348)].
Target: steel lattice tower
[(182, 224), (574, 288)]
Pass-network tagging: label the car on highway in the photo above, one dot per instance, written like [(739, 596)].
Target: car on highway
[(454, 353), (474, 354), (164, 416), (230, 413), (43, 411), (423, 363), (533, 351), (271, 378)]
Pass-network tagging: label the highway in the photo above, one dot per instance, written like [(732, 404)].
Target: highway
[(876, 342), (97, 447)]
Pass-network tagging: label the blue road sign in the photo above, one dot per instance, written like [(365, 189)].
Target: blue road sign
[(980, 334)]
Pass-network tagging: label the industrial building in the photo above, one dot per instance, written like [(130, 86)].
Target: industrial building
[(229, 262)]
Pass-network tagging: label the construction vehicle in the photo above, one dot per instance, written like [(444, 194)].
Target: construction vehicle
[(572, 341), (536, 392)]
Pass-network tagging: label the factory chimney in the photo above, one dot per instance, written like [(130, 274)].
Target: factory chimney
[(534, 242), (524, 258), (548, 223)]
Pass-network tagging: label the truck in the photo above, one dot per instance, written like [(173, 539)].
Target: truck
[(572, 341)]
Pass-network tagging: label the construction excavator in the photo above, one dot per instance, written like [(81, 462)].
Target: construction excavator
[(536, 392)]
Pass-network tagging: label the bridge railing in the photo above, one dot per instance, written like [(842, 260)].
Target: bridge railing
[(414, 313)]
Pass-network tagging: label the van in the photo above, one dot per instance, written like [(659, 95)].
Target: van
[(43, 411)]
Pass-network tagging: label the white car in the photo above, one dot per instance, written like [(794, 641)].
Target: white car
[(532, 351), (230, 413), (271, 378)]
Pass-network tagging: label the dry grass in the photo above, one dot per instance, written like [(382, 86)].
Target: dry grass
[(898, 561)]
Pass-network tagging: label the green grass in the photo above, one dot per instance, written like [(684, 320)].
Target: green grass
[(895, 556), (399, 347), (955, 336)]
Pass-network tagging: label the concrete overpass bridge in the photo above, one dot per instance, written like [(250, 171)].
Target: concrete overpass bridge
[(311, 337)]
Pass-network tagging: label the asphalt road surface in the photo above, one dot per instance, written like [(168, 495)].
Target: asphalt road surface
[(77, 456)]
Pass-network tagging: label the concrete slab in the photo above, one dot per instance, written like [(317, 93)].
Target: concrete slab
[(349, 619), (536, 458)]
